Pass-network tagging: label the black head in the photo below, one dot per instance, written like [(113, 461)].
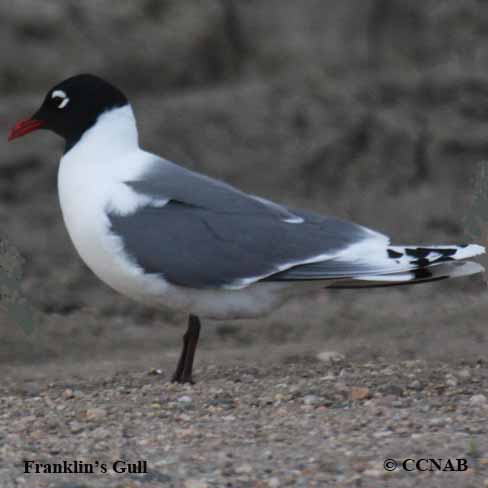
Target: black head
[(72, 107)]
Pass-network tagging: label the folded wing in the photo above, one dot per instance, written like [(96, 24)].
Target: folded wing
[(210, 235)]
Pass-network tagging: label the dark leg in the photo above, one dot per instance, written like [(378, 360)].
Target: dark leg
[(183, 373)]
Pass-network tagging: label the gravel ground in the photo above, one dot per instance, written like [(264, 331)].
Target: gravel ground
[(293, 422)]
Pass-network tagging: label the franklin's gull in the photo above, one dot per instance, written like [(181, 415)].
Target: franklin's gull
[(170, 237)]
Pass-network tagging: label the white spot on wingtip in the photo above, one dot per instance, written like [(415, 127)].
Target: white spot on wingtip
[(294, 220)]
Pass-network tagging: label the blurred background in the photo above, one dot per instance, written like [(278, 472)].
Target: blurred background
[(371, 110)]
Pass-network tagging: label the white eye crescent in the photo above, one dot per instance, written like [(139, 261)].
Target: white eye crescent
[(61, 94)]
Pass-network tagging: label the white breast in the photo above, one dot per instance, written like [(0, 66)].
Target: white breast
[(90, 180)]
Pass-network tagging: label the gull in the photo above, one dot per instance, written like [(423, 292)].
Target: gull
[(170, 237)]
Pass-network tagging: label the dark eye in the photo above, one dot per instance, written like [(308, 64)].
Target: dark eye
[(61, 96)]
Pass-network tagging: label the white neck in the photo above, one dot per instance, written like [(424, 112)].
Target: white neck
[(108, 152), (114, 131)]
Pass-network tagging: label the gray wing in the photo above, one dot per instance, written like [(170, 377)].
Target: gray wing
[(211, 235), (168, 180)]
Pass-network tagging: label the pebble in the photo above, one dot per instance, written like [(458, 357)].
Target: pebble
[(330, 356), (479, 399), (244, 469), (328, 377), (359, 393), (373, 473), (185, 399), (437, 421), (311, 400), (155, 372), (451, 380), (195, 484), (411, 363), (341, 388), (415, 385), (225, 403), (273, 482), (76, 427), (68, 393), (392, 389), (464, 373), (382, 433), (95, 413)]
